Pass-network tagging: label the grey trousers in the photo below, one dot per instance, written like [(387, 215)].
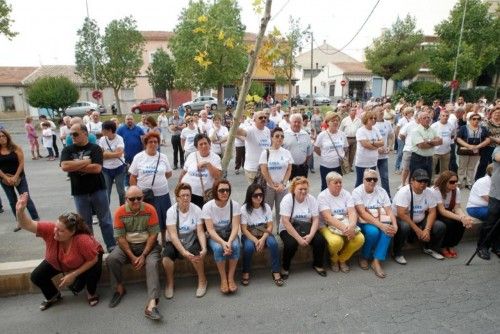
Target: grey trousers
[(117, 258), (273, 198)]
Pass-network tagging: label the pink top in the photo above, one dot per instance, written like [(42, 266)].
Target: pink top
[(83, 248), (30, 131)]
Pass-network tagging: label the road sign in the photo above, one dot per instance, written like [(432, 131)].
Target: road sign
[(454, 84), (96, 94), (343, 83)]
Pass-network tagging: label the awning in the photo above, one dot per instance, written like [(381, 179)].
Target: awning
[(358, 77)]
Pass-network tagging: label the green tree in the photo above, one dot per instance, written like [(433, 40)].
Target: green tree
[(208, 46), (6, 21), (479, 45), (53, 93), (117, 55), (397, 54), (161, 73)]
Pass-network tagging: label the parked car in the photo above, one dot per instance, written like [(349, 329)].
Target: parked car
[(304, 99), (80, 108), (150, 105), (199, 103)]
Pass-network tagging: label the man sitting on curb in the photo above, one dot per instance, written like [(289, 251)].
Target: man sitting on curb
[(136, 231)]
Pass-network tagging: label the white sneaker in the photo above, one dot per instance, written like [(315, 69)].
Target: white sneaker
[(433, 253), (400, 259)]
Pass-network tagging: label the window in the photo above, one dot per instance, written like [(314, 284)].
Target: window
[(8, 103), (332, 89)]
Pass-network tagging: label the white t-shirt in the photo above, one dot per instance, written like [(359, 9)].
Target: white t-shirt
[(480, 188), (258, 216), (385, 129), (329, 157), (95, 128), (117, 142), (284, 125), (220, 216), (163, 121), (256, 142), (402, 122), (377, 199), (446, 132), (205, 126), (453, 120), (192, 176), (221, 132), (365, 157), (276, 118), (47, 137), (302, 211), (277, 164), (143, 166), (188, 135), (447, 200), (421, 202), (188, 221), (337, 205), (238, 140), (64, 131), (407, 131)]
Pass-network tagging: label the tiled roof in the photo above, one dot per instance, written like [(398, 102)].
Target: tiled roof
[(67, 71), (353, 68), (166, 35), (13, 76)]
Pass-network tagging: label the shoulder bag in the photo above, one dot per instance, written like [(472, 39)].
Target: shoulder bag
[(226, 233), (207, 194), (259, 177), (344, 163), (191, 244), (123, 162), (257, 230), (302, 227), (148, 192)]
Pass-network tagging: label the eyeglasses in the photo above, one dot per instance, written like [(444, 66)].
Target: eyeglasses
[(184, 195), (258, 195), (373, 118), (135, 199), (371, 179), (152, 142), (223, 190), (74, 134), (475, 119), (262, 118), (286, 115), (422, 181), (452, 181), (279, 136)]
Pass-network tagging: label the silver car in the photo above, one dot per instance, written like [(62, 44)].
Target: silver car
[(80, 108), (199, 103)]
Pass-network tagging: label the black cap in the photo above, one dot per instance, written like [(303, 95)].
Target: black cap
[(420, 175)]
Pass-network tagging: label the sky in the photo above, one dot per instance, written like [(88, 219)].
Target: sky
[(47, 29)]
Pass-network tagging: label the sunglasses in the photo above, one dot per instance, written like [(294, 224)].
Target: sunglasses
[(452, 181), (135, 199), (371, 179), (475, 119), (262, 118), (258, 195), (74, 134), (279, 136), (223, 190), (422, 181)]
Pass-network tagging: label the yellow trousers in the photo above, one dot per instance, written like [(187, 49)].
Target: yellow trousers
[(339, 247)]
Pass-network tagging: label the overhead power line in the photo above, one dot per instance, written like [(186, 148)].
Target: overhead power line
[(280, 10)]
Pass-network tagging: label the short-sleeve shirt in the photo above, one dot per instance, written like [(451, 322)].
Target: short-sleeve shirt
[(375, 200), (95, 128), (447, 201), (84, 248), (220, 216), (473, 137), (188, 221), (188, 135), (385, 129), (337, 205), (480, 188), (221, 132), (110, 145), (176, 121), (364, 157), (446, 132), (299, 145), (421, 202), (326, 141), (144, 165), (132, 139), (257, 217), (256, 141), (136, 227), (419, 136), (277, 164), (84, 183), (193, 174), (304, 211)]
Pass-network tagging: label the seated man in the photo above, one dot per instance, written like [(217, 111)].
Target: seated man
[(415, 208), (136, 231)]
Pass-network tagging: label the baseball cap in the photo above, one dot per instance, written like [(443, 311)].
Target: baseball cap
[(420, 175)]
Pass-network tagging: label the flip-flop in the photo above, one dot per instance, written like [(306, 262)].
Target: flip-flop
[(93, 301), (278, 281)]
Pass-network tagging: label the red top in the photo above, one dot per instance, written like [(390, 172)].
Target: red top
[(83, 248)]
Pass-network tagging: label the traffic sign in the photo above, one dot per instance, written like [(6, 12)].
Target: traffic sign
[(96, 94), (454, 84), (343, 83)]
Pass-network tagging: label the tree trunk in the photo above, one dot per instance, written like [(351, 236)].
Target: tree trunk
[(497, 76), (220, 97), (170, 103), (245, 85), (117, 99), (386, 84)]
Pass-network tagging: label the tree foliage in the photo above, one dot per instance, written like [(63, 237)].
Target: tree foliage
[(397, 54), (479, 46), (208, 46), (117, 54), (52, 93), (161, 73), (6, 21)]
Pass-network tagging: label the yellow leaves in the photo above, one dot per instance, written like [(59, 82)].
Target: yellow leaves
[(253, 98), (229, 43), (257, 6), (199, 30), (221, 35), (202, 19), (201, 59)]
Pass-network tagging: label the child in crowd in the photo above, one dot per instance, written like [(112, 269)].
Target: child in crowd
[(47, 140)]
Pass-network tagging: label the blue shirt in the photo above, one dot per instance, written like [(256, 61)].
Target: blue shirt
[(270, 124), (132, 140), (92, 139)]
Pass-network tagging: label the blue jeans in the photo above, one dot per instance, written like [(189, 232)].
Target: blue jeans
[(10, 192), (118, 176), (323, 171), (480, 212), (453, 158), (249, 249), (399, 155), (376, 242), (99, 202), (310, 162), (383, 170), (360, 173), (162, 204), (218, 251)]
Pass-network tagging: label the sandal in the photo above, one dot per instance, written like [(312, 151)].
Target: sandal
[(285, 274), (278, 281), (320, 271), (93, 301), (48, 303), (245, 279), (224, 287), (232, 287)]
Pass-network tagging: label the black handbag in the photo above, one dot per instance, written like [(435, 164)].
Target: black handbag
[(259, 177), (226, 233), (148, 194), (193, 245), (302, 227)]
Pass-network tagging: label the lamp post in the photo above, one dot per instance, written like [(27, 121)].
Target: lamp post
[(92, 53), (458, 51)]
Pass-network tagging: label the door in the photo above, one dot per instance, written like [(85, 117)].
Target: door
[(377, 87)]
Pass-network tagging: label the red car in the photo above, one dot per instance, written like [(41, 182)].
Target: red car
[(150, 105)]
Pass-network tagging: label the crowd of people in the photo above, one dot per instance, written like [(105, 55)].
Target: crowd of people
[(274, 147)]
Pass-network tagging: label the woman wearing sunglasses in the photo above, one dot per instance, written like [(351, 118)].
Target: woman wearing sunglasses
[(376, 220), (257, 233), (222, 219), (449, 211), (70, 250)]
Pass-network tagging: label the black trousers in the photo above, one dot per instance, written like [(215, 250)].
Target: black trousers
[(420, 162), (489, 224), (178, 151), (405, 233), (240, 157), (299, 170), (454, 231), (484, 161), (290, 246), (42, 278), (54, 146)]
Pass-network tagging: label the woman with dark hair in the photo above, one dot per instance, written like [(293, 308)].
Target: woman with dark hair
[(70, 250), (152, 125), (257, 233), (222, 220), (151, 169), (218, 134), (12, 174), (113, 168), (449, 211), (201, 169)]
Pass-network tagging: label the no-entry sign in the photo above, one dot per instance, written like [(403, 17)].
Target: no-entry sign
[(343, 83), (96, 94)]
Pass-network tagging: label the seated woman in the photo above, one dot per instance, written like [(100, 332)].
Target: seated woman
[(450, 212), (222, 219), (257, 233), (477, 205), (299, 225), (376, 220), (70, 250), (186, 239), (338, 223)]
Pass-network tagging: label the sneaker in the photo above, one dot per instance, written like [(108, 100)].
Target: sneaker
[(154, 314), (433, 253), (313, 171), (484, 254), (400, 259), (95, 220), (237, 172)]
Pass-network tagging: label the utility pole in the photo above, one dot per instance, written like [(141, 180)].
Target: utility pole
[(458, 50), (93, 56), (311, 78)]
